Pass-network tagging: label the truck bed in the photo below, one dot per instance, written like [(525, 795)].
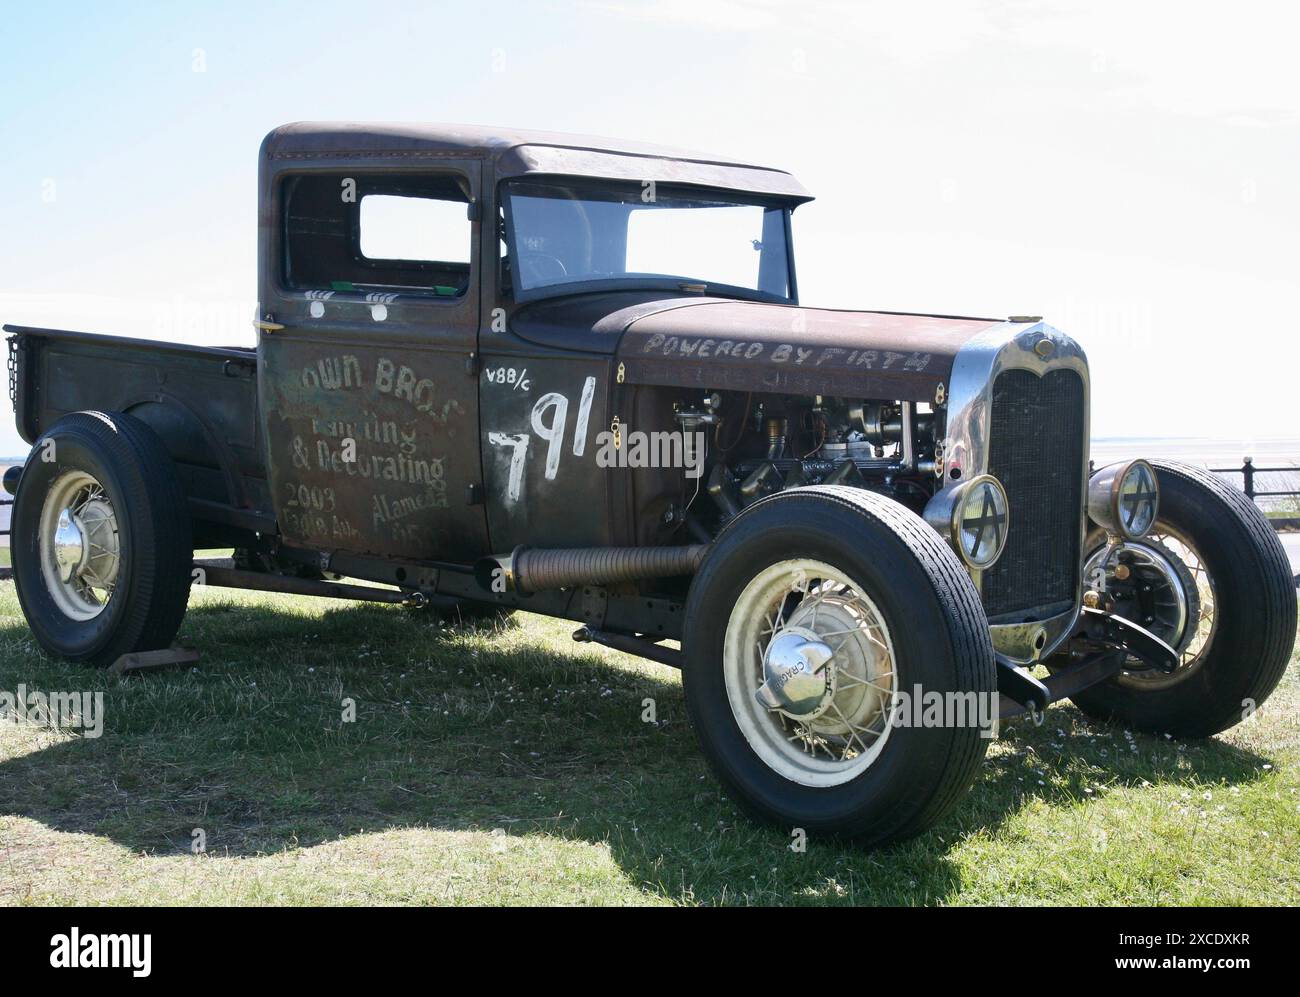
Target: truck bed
[(201, 401)]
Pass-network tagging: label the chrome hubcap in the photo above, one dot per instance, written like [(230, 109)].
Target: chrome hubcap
[(800, 681), (79, 545), (809, 669), (69, 550)]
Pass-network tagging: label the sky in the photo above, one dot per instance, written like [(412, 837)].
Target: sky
[(1126, 170)]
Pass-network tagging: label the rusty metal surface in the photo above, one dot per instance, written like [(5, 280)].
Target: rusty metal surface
[(590, 323), (752, 346), (540, 424), (131, 342), (513, 152), (371, 448), (201, 401), (465, 438), (369, 401)]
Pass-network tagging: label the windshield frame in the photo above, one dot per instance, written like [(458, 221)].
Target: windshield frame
[(642, 282)]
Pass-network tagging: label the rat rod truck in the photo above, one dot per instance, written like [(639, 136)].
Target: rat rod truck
[(504, 371)]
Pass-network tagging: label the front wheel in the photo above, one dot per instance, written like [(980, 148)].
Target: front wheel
[(1213, 581), (838, 665)]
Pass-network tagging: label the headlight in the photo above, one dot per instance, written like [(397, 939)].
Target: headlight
[(1124, 498), (973, 517)]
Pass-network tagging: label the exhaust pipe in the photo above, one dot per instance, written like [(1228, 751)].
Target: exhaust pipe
[(526, 569)]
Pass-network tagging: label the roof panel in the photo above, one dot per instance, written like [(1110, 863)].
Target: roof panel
[(517, 152)]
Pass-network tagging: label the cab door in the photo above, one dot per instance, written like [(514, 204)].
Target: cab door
[(369, 306), (546, 417)]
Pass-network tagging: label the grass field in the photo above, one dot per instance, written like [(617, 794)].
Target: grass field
[(510, 766)]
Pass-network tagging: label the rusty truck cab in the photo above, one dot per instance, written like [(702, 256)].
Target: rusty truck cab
[(414, 403)]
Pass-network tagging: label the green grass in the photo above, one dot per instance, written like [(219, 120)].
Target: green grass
[(513, 767)]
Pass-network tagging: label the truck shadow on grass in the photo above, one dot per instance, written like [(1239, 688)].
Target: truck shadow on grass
[(476, 728)]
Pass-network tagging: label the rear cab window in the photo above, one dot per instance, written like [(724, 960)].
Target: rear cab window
[(396, 234)]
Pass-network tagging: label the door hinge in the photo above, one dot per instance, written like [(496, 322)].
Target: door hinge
[(622, 373), (471, 365)]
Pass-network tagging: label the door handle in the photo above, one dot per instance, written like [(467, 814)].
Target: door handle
[(267, 324)]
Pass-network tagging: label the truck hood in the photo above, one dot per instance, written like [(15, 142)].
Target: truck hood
[(753, 346)]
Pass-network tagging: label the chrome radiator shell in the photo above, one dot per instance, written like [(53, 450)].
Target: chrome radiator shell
[(1024, 634)]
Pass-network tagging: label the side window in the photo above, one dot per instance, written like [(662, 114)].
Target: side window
[(399, 234), (396, 227)]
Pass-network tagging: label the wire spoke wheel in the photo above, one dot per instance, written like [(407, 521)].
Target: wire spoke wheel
[(1212, 550), (810, 673), (820, 619), (1196, 634), (79, 545)]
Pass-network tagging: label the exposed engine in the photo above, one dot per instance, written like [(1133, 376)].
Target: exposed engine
[(759, 444)]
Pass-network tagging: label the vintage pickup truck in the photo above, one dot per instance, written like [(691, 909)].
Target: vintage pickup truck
[(504, 371)]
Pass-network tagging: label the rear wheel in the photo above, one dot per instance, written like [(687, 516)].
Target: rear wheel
[(1213, 581), (101, 539), (818, 619)]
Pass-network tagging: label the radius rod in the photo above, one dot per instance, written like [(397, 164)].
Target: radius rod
[(222, 577)]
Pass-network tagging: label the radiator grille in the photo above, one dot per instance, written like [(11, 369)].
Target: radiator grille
[(1036, 436)]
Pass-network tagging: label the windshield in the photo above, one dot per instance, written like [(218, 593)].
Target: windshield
[(564, 234)]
